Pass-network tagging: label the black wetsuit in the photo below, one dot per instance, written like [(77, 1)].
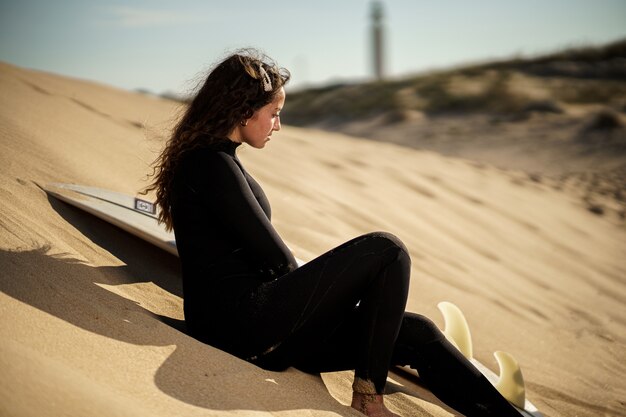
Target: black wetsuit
[(244, 293)]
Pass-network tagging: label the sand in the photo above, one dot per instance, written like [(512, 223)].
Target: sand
[(89, 314)]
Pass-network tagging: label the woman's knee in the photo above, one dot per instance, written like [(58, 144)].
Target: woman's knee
[(390, 240), (419, 329), (394, 255)]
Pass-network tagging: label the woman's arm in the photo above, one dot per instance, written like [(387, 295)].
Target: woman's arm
[(223, 187)]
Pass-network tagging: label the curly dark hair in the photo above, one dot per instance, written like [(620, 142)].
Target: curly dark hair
[(231, 93)]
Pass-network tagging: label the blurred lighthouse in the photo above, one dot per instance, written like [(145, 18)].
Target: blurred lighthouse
[(378, 40)]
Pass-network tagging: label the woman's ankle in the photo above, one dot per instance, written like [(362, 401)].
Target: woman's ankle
[(372, 405), (367, 401)]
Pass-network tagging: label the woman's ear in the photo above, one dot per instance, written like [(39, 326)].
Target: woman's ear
[(248, 114)]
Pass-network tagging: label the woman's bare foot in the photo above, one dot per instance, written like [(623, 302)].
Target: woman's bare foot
[(371, 405)]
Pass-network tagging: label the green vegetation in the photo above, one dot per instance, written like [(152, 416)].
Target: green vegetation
[(574, 76)]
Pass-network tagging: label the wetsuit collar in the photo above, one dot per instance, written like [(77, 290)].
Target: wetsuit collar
[(232, 146), (225, 145)]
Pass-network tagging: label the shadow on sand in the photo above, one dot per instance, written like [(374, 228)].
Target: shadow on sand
[(195, 373)]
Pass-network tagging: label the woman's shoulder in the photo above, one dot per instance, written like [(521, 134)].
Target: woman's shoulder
[(209, 168)]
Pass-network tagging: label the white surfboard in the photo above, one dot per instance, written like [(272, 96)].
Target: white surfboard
[(132, 214)]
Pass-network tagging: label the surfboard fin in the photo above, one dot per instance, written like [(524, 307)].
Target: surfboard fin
[(456, 328), (510, 382)]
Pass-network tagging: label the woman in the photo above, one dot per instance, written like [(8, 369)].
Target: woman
[(243, 290)]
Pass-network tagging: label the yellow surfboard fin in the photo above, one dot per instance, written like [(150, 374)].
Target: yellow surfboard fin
[(510, 382), (456, 328)]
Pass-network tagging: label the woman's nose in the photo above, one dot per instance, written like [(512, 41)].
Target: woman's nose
[(277, 124)]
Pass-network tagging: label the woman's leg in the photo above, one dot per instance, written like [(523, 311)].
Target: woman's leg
[(285, 320), (310, 318), (292, 316), (446, 372), (421, 345)]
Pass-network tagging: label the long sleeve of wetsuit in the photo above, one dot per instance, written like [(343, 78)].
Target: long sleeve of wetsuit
[(221, 184)]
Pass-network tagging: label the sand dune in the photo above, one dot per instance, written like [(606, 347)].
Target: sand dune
[(89, 315)]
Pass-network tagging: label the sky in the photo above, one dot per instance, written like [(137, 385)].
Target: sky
[(166, 46)]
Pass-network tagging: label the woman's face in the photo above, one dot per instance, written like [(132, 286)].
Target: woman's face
[(262, 124)]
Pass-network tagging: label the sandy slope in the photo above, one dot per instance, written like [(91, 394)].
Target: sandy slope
[(88, 314)]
